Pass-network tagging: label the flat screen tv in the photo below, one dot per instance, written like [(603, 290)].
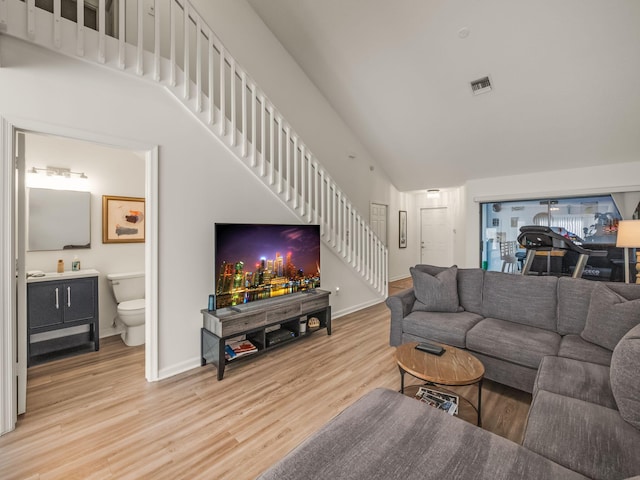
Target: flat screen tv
[(260, 261)]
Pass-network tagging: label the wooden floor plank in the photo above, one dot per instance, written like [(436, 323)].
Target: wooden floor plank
[(95, 416)]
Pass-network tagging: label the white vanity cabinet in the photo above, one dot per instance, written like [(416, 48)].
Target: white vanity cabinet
[(58, 306)]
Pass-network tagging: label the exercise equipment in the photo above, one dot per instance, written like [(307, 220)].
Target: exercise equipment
[(544, 239)]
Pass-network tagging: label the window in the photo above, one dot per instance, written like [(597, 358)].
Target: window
[(593, 221)]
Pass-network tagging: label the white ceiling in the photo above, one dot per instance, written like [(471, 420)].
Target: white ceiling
[(566, 77)]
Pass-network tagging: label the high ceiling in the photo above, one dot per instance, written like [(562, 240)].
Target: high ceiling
[(565, 75)]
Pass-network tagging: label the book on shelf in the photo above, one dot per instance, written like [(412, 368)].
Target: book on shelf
[(442, 400), (238, 348)]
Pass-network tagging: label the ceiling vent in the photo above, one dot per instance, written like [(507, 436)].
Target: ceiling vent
[(482, 85)]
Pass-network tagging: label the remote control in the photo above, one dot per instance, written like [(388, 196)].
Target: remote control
[(430, 348)]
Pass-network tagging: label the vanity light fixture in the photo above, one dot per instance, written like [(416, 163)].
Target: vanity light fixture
[(58, 172)]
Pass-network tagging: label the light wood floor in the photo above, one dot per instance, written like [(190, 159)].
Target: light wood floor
[(94, 415)]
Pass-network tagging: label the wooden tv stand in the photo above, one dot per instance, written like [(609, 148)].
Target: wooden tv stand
[(256, 320)]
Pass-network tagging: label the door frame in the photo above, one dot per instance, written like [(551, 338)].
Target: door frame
[(8, 253)]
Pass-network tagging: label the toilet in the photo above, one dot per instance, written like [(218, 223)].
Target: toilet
[(128, 290)]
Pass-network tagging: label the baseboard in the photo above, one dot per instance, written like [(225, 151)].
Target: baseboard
[(109, 332), (355, 308), (179, 368), (399, 277)]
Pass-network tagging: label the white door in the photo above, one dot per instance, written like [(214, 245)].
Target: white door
[(436, 239), (378, 221)]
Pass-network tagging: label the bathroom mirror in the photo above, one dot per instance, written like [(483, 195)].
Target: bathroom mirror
[(58, 219)]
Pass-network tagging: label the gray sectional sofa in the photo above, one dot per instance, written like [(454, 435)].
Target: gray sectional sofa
[(510, 322), (574, 344)]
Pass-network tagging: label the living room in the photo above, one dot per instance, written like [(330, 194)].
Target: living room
[(193, 168)]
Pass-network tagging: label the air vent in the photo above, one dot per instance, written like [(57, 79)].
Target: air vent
[(482, 85)]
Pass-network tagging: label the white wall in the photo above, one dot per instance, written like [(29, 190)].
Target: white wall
[(400, 259), (257, 50), (322, 129), (604, 179), (200, 183), (111, 171)]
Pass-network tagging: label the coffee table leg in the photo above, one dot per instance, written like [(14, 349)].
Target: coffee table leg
[(480, 403), (401, 379)]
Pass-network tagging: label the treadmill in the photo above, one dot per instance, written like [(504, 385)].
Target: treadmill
[(544, 239)]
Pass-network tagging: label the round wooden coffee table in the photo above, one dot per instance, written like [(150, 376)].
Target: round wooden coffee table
[(455, 367)]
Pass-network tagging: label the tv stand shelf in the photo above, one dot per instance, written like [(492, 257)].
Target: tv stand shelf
[(255, 321)]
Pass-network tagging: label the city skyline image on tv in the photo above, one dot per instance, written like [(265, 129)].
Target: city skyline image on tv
[(258, 261)]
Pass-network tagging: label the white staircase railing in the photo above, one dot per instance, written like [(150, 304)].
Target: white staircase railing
[(168, 42)]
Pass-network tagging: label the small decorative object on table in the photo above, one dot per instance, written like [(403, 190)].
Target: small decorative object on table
[(313, 324)]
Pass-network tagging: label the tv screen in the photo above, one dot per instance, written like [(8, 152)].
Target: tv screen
[(259, 261)]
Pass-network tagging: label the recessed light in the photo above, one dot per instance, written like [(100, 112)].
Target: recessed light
[(463, 32)]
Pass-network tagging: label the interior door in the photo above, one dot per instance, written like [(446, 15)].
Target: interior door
[(436, 238), (21, 285), (378, 221)]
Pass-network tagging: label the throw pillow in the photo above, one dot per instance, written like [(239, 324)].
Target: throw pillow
[(610, 316), (437, 293), (625, 376)]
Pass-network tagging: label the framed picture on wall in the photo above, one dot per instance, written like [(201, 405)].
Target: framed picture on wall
[(122, 219), (402, 223)]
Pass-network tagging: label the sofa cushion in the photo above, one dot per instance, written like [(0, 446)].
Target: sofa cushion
[(386, 435), (506, 373), (573, 301), (574, 346), (610, 317), (449, 328), (512, 342), (630, 291), (585, 437), (430, 269), (625, 376), (573, 378), (470, 281), (436, 293), (573, 304), (529, 300)]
